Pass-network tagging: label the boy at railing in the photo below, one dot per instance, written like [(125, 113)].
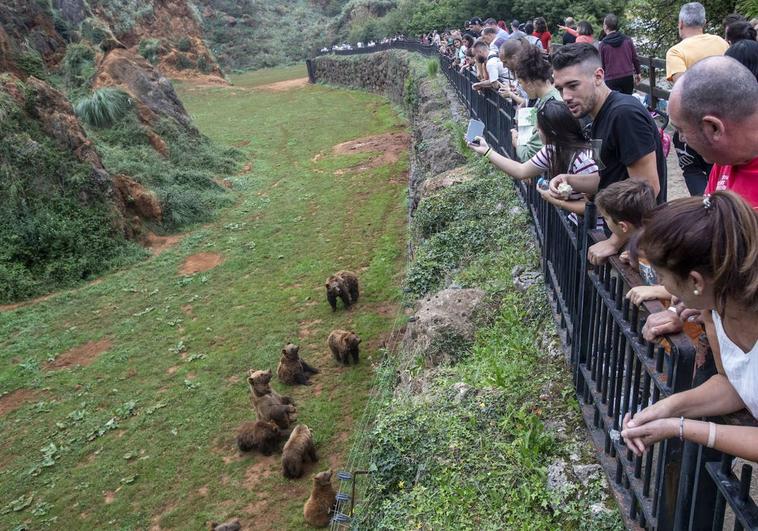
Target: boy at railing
[(624, 205)]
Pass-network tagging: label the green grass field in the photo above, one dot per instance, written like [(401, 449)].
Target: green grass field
[(143, 436)]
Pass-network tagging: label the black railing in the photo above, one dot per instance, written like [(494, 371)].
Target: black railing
[(673, 485)]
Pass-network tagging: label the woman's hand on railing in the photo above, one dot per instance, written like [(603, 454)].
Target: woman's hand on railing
[(640, 433), (661, 324), (479, 145)]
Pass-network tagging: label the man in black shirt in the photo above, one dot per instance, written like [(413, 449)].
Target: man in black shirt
[(625, 140), (568, 38)]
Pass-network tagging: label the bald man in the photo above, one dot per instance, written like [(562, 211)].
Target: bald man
[(714, 107)]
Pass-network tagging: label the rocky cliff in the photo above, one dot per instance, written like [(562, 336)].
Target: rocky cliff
[(76, 187)]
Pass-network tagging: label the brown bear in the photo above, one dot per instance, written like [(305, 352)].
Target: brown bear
[(260, 435), (268, 404), (231, 525), (298, 450), (318, 509), (342, 284), (292, 368), (344, 344)]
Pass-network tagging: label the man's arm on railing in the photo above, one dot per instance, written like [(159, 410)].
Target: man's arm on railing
[(645, 170)]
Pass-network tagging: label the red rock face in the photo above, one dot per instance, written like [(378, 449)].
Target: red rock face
[(25, 22)]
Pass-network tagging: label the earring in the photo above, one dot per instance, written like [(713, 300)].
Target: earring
[(696, 292)]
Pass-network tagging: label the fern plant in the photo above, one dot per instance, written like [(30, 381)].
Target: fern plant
[(104, 107)]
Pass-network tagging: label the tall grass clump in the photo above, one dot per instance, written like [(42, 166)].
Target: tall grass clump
[(104, 107), (150, 49), (78, 65), (432, 67)]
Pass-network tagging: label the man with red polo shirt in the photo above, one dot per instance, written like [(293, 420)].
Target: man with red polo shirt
[(716, 110)]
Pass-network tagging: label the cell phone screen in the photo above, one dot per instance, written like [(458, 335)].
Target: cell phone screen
[(475, 129)]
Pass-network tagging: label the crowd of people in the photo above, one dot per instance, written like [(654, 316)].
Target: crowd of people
[(580, 127)]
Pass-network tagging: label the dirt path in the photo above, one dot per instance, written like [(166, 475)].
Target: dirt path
[(281, 86)]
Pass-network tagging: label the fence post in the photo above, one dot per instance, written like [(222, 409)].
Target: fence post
[(651, 70), (311, 71)]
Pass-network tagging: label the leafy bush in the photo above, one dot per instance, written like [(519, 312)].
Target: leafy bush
[(204, 65), (184, 44), (104, 107), (31, 62), (183, 62), (150, 49), (78, 66)]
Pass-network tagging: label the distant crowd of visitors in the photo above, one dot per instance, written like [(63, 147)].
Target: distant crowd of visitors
[(579, 125)]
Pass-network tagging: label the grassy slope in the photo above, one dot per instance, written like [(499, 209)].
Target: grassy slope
[(171, 459)]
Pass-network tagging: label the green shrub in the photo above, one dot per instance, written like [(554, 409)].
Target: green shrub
[(78, 66), (183, 62), (432, 67), (184, 44), (94, 31), (104, 107), (31, 62), (204, 65), (150, 49)]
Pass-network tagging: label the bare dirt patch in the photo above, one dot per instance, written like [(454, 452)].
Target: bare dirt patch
[(158, 244), (12, 401), (261, 470), (201, 262), (305, 330), (82, 355), (282, 86), (388, 147)]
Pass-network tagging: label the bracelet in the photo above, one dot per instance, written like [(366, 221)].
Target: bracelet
[(487, 152), (711, 435), (681, 428)]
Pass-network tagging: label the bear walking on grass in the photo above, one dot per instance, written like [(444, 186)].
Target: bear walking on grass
[(344, 345), (260, 435), (317, 511), (292, 368), (342, 284), (268, 404), (231, 525), (298, 450)]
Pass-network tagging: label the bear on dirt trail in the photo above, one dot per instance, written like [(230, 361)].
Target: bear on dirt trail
[(298, 450), (268, 404), (317, 511), (343, 345), (292, 368), (342, 284), (260, 435)]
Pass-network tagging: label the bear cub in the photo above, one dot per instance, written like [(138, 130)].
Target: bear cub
[(260, 435), (298, 450), (344, 345), (268, 404), (342, 284), (318, 509), (292, 368)]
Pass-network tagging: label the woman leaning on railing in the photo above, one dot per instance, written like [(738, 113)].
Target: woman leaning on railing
[(705, 252)]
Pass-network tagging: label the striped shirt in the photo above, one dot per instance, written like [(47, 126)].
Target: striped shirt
[(582, 163)]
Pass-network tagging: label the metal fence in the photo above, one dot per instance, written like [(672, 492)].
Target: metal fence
[(674, 485)]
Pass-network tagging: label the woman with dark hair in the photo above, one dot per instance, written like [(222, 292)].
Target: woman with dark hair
[(746, 52), (739, 31), (535, 76), (565, 150), (541, 32), (583, 33), (705, 252)]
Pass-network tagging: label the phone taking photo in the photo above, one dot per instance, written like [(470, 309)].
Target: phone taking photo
[(475, 129)]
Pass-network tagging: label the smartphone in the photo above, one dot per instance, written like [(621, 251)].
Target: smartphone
[(475, 129)]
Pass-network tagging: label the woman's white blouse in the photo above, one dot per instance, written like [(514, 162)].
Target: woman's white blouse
[(741, 367)]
